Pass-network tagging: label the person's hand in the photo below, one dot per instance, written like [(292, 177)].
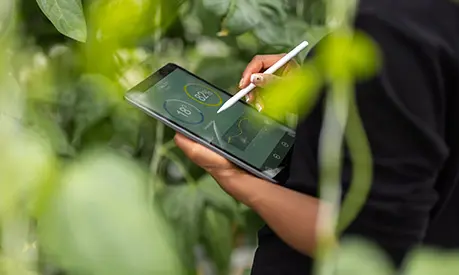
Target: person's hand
[(253, 74), (228, 176)]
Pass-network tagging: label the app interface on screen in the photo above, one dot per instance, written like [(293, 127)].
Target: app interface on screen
[(240, 130)]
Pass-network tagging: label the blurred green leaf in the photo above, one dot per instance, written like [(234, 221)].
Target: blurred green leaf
[(272, 28), (93, 104), (183, 206), (101, 204), (217, 238), (224, 73), (249, 220), (426, 261), (342, 55), (359, 257), (216, 197), (219, 7), (126, 122), (296, 93), (67, 16), (46, 124), (242, 16), (19, 150), (6, 7)]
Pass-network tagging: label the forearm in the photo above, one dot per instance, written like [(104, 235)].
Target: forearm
[(290, 214)]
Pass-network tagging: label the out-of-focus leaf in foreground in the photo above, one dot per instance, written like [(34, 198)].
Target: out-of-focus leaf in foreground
[(22, 151), (295, 93), (99, 221), (431, 261), (67, 16), (6, 7), (344, 56), (356, 256)]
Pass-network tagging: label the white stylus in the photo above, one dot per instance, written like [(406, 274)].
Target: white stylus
[(279, 64)]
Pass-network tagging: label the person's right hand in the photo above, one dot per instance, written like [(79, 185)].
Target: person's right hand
[(253, 74)]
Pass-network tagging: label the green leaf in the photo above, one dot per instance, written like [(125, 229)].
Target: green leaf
[(126, 122), (184, 206), (359, 257), (222, 72), (93, 105), (217, 239), (428, 261), (67, 16), (218, 7), (46, 125), (101, 203), (6, 12), (242, 16), (272, 29), (216, 197)]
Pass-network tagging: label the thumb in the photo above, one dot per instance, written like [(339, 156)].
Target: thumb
[(261, 80)]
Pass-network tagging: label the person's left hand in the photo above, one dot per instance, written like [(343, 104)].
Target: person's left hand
[(210, 161)]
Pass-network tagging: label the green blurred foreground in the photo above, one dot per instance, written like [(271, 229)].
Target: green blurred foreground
[(89, 185)]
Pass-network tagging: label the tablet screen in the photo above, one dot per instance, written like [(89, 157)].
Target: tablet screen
[(241, 131)]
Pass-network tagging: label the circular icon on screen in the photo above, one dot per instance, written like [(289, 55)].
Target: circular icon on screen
[(183, 111), (203, 94)]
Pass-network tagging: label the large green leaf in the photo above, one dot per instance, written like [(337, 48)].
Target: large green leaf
[(6, 12), (216, 197), (44, 122), (67, 16), (183, 206), (101, 204), (219, 7), (126, 122), (217, 239), (242, 16), (223, 72), (360, 257), (426, 261), (94, 104)]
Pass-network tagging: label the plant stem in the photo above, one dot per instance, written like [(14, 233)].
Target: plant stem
[(330, 155), (362, 169), (156, 158)]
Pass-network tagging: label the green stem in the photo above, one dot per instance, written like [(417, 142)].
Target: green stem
[(362, 169), (330, 156), (157, 149), (156, 158)]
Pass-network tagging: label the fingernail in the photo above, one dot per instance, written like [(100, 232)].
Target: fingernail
[(259, 107), (247, 98), (241, 82), (256, 78)]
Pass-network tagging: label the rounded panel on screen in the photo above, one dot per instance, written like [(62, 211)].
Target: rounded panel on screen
[(183, 111), (203, 94)]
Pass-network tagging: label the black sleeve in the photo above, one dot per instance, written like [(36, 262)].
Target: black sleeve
[(401, 109)]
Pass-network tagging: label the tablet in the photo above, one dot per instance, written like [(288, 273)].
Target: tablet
[(188, 104)]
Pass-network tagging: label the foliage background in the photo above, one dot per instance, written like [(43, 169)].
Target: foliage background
[(71, 64), (89, 185)]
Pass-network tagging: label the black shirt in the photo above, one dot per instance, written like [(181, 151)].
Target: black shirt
[(410, 113)]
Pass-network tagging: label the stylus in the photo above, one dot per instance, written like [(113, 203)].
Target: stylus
[(279, 64)]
